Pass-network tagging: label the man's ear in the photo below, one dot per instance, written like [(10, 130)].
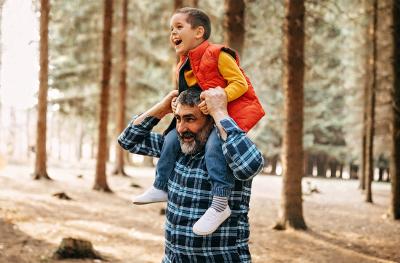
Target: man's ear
[(200, 32)]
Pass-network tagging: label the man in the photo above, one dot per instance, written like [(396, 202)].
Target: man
[(189, 190)]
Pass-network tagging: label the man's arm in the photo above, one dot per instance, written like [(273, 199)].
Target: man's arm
[(241, 154), (159, 110), (138, 138)]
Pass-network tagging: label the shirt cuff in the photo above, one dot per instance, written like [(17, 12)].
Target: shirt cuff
[(230, 126), (148, 122)]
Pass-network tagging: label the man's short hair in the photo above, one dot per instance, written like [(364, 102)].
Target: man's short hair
[(196, 18), (190, 97)]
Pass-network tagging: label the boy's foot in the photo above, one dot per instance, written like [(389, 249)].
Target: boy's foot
[(210, 221), (152, 195)]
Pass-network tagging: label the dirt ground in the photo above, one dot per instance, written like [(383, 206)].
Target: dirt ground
[(342, 227)]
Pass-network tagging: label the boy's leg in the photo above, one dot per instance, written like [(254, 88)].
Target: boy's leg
[(166, 162), (164, 168), (222, 184), (220, 175)]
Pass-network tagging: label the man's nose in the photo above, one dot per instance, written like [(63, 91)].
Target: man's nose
[(181, 128)]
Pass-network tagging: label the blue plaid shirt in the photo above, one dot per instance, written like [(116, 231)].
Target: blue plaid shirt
[(189, 195)]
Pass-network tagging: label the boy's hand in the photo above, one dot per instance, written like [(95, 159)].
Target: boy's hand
[(203, 107)]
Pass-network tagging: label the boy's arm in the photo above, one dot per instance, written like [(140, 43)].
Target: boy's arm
[(230, 71)]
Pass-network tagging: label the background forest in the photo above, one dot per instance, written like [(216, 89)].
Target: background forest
[(334, 82), (101, 62)]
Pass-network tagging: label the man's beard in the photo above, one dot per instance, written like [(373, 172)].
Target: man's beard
[(199, 141)]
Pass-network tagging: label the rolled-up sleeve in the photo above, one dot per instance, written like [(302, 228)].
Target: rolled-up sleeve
[(241, 154), (140, 140)]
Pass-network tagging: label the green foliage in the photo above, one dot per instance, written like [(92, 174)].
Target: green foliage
[(334, 64)]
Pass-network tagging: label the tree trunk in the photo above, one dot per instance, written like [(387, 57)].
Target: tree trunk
[(119, 158), (321, 165), (234, 24), (1, 51), (81, 135), (41, 158), (333, 167), (291, 211), (148, 161), (274, 162), (195, 3), (367, 84), (101, 178), (178, 4), (369, 157), (395, 145)]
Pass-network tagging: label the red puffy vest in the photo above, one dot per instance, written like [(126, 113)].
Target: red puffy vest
[(246, 110)]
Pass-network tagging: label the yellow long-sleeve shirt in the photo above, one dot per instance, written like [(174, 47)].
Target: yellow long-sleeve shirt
[(230, 71)]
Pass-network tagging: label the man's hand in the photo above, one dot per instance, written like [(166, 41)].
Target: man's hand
[(165, 104), (160, 109), (215, 103), (173, 104)]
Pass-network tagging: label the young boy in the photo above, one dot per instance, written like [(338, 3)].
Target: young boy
[(208, 66)]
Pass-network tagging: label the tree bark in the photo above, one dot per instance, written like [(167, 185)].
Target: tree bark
[(234, 24), (119, 158), (369, 157), (41, 158), (274, 163), (178, 4), (291, 211), (101, 178), (321, 165), (395, 147), (195, 3), (1, 51), (148, 161)]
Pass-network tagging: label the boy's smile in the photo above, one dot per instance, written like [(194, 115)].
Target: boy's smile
[(183, 37)]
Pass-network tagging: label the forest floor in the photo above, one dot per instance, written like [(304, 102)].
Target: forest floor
[(342, 227)]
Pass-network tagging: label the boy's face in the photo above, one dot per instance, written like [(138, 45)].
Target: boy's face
[(183, 37)]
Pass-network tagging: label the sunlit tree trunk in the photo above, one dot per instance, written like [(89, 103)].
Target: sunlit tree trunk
[(291, 210), (178, 4), (41, 158), (119, 158), (234, 24), (1, 51), (395, 147), (148, 161), (81, 135), (367, 89), (369, 153), (195, 3), (101, 178)]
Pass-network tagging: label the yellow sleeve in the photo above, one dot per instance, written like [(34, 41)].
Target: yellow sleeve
[(237, 84)]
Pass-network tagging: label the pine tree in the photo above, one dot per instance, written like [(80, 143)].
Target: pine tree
[(395, 147), (291, 211), (234, 24), (102, 150), (41, 158), (119, 160), (369, 153)]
